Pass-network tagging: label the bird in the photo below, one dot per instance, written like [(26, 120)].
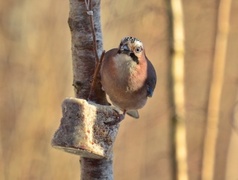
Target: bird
[(127, 76)]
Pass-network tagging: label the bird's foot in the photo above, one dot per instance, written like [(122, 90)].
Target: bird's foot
[(118, 120)]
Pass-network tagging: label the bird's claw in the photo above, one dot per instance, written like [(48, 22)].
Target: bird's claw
[(118, 120)]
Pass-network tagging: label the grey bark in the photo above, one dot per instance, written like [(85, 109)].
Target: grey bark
[(83, 57), (83, 67)]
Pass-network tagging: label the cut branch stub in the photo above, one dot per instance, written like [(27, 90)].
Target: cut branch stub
[(84, 129)]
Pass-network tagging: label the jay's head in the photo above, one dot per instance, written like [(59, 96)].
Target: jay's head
[(131, 47)]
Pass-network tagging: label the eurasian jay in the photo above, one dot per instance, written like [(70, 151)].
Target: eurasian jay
[(127, 76)]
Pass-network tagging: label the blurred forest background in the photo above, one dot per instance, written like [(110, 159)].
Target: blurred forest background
[(36, 76)]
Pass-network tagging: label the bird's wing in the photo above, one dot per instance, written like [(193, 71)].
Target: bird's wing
[(151, 79)]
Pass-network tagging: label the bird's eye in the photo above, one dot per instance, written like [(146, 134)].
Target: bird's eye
[(138, 49)]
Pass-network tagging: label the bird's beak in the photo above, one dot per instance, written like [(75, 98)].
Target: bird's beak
[(124, 49)]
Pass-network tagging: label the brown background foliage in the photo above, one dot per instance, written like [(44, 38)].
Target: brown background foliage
[(35, 76)]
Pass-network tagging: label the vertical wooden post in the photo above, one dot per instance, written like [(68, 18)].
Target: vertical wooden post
[(177, 83), (215, 94)]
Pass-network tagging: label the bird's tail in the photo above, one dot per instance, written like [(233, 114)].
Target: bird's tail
[(133, 113)]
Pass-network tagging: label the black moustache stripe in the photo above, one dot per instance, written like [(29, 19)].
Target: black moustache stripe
[(134, 57)]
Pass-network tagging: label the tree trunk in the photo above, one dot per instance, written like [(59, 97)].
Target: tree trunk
[(84, 61)]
